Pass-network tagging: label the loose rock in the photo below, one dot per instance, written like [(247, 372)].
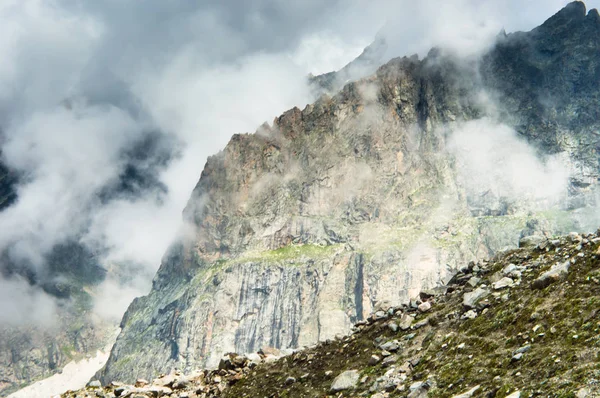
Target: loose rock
[(345, 381)]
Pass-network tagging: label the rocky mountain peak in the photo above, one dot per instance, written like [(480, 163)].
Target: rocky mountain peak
[(571, 17), (385, 188), (573, 12)]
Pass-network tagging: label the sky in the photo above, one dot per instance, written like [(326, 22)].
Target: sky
[(84, 83)]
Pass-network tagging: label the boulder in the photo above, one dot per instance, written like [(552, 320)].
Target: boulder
[(345, 381), (503, 283), (552, 275), (531, 241), (406, 321), (471, 299)]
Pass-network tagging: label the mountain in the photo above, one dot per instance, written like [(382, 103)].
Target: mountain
[(522, 324), (371, 195)]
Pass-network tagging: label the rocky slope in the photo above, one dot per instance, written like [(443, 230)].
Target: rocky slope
[(524, 324), (305, 227)]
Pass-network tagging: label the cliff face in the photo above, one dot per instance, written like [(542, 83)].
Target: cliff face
[(359, 200)]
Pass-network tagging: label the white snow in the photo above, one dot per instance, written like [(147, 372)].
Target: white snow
[(75, 375)]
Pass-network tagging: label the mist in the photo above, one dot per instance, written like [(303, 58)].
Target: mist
[(85, 84), (492, 160)]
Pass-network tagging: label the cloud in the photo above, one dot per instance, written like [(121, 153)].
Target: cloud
[(33, 307), (493, 161), (83, 83)]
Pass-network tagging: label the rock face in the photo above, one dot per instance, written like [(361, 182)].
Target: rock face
[(307, 226)]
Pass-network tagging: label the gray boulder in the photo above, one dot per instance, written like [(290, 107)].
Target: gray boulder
[(345, 381)]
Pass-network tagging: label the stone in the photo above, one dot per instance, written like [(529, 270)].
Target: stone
[(181, 383), (390, 360), (495, 277), (391, 346), (382, 306), (517, 357), (393, 326), (405, 368), (468, 394), (523, 349), (509, 268), (583, 393), (575, 237), (345, 381), (94, 384), (555, 273), (503, 283), (165, 380), (141, 383), (418, 390), (516, 394), (471, 299), (379, 315), (270, 351), (474, 281), (531, 241), (374, 360), (290, 380), (424, 307), (254, 358), (471, 314), (405, 322), (159, 391)]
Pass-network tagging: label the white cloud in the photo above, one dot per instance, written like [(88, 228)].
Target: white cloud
[(23, 304), (492, 159)]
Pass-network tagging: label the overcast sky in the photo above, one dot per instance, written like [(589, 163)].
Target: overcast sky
[(196, 72)]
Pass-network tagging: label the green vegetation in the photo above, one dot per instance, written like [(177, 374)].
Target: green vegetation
[(283, 255)]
